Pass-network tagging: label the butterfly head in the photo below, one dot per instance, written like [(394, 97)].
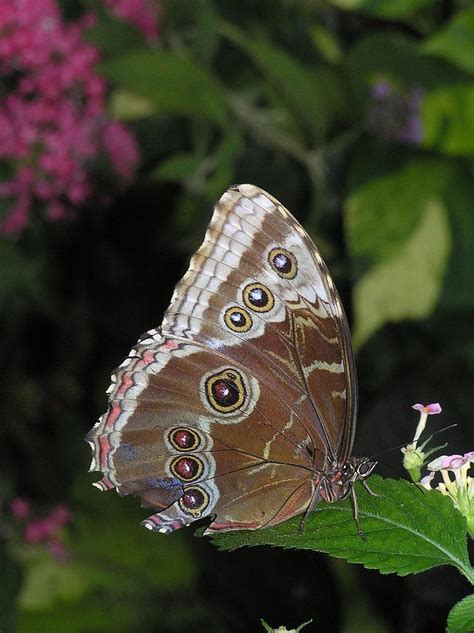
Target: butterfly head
[(337, 483)]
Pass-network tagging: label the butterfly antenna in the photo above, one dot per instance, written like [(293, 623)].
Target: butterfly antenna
[(394, 448)]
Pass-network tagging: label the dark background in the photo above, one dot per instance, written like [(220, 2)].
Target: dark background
[(360, 121)]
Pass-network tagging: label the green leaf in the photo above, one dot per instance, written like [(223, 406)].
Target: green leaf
[(173, 84), (326, 43), (128, 106), (48, 582), (408, 285), (383, 213), (313, 96), (128, 557), (224, 164), (177, 168), (114, 37), (389, 9), (448, 120), (100, 613), (461, 616), (457, 293), (204, 174), (397, 225), (455, 42), (407, 531)]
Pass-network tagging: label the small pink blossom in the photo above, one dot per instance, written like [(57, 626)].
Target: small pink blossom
[(39, 530), (143, 14), (451, 462), (53, 122), (456, 482), (20, 508), (60, 516), (46, 531), (429, 409), (122, 150), (414, 456), (426, 480)]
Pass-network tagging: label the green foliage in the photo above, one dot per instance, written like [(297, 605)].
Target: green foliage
[(448, 120), (407, 531), (174, 85), (400, 224), (390, 9), (455, 42), (313, 96), (461, 616), (110, 571)]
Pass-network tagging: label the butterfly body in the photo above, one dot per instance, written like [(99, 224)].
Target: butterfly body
[(242, 405)]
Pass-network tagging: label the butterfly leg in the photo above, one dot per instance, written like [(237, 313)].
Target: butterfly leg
[(371, 492), (311, 505), (355, 508)]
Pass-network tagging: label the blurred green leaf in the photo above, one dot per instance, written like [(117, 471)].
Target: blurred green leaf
[(10, 580), (177, 168), (224, 164), (206, 38), (390, 9), (455, 42), (117, 570), (96, 615), (112, 541), (173, 84), (461, 616), (314, 96), (407, 531), (326, 43), (128, 106), (208, 174), (448, 120), (48, 582), (114, 37), (409, 284), (382, 213), (457, 293)]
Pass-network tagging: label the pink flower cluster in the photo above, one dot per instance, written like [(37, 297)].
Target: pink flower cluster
[(45, 530), (141, 13), (53, 123)]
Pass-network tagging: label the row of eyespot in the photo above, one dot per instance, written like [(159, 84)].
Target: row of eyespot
[(188, 468), (258, 297)]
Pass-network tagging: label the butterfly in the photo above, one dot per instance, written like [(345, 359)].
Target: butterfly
[(242, 406)]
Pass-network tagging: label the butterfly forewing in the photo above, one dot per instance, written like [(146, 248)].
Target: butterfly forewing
[(235, 406)]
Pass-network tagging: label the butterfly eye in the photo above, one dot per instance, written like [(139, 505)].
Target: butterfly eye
[(365, 468), (237, 319), (194, 501), (283, 263), (258, 298)]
